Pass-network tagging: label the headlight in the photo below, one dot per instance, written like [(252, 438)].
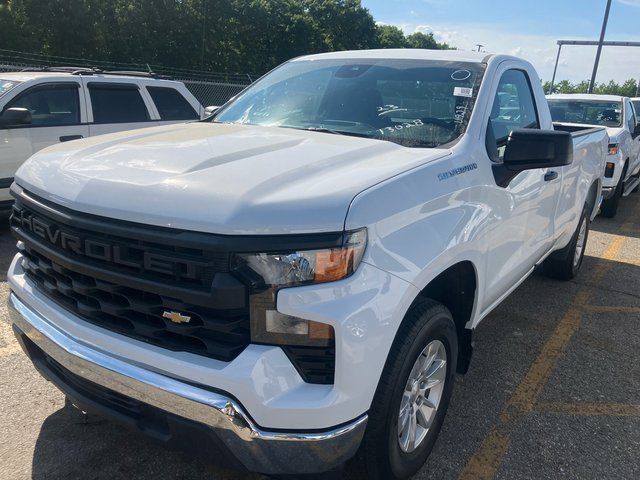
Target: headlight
[(613, 149), (269, 272), (287, 269)]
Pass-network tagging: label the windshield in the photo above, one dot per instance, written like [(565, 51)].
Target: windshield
[(415, 103), (6, 85), (587, 112)]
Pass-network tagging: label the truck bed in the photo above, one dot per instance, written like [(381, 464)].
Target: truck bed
[(576, 128)]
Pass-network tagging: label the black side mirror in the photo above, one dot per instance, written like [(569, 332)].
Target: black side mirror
[(528, 149), (14, 117), (636, 131)]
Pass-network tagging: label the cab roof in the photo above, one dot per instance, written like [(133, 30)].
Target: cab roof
[(402, 54)]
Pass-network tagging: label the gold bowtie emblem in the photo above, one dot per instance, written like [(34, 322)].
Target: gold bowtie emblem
[(176, 317)]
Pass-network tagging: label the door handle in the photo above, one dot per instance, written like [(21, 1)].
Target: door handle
[(552, 175), (68, 138)]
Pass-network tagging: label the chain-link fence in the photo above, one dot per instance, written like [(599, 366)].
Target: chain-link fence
[(210, 88)]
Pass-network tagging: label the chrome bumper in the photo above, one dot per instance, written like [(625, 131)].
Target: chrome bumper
[(257, 449)]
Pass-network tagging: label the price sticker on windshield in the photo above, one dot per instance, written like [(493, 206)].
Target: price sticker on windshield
[(463, 92)]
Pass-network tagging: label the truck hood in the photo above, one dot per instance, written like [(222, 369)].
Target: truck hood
[(615, 134), (218, 178)]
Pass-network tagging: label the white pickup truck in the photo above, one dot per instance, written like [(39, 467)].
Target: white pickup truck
[(42, 107), (575, 112), (297, 280)]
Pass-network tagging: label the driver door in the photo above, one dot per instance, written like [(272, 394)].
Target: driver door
[(526, 207)]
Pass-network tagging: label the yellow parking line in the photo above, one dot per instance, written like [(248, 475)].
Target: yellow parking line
[(483, 465), (610, 409), (486, 460)]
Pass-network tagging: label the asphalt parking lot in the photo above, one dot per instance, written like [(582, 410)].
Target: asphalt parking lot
[(553, 390)]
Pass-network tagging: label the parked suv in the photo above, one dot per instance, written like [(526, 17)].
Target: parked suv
[(44, 107), (575, 112), (298, 279)]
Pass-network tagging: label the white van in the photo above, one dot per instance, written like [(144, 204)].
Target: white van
[(48, 106)]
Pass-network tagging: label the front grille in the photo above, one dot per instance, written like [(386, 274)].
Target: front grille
[(137, 313), (175, 272)]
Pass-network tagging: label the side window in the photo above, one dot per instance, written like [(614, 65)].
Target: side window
[(630, 117), (117, 103), (513, 107), (171, 104), (51, 105)]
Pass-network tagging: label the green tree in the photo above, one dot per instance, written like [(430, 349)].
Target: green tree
[(390, 36), (626, 89), (425, 40)]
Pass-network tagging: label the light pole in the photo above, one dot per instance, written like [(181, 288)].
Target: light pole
[(479, 46), (597, 61), (204, 31), (555, 69)]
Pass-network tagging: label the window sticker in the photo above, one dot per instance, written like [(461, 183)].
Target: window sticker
[(463, 92)]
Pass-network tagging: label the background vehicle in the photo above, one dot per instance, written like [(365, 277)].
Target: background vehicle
[(305, 282), (617, 114), (41, 108)]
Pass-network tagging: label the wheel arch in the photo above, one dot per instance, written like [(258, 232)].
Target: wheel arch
[(592, 197), (457, 289)]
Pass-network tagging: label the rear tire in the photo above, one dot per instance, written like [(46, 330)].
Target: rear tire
[(414, 381), (565, 264)]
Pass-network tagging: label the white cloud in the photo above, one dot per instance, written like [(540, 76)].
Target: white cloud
[(576, 63)]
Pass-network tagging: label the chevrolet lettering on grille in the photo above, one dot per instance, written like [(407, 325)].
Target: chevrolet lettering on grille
[(101, 250)]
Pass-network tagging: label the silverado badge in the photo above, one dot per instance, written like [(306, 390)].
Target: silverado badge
[(176, 317)]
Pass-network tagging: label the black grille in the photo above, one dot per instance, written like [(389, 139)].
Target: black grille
[(137, 313), (128, 299)]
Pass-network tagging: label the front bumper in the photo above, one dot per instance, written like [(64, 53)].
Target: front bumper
[(259, 450)]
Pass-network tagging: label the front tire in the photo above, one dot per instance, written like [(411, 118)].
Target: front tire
[(412, 396), (609, 207), (565, 264)]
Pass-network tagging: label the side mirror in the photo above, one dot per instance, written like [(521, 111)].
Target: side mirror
[(14, 117), (210, 110), (636, 131), (529, 149)]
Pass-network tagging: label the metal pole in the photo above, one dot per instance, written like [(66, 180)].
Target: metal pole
[(204, 31), (555, 69), (638, 88), (602, 32)]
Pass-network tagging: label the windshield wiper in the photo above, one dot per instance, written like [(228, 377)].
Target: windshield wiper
[(336, 132)]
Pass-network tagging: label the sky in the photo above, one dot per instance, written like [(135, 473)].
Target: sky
[(528, 29)]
